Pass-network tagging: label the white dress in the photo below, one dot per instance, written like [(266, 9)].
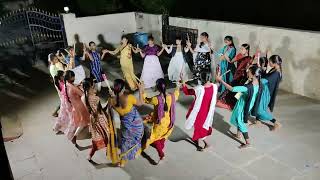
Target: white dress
[(178, 67)]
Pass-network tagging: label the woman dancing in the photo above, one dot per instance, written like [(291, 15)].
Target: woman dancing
[(80, 114), (246, 102), (64, 116), (152, 70), (203, 56), (263, 113), (226, 54), (95, 64), (243, 59), (131, 121), (163, 116), (178, 66), (200, 113), (101, 124), (274, 77), (125, 50)]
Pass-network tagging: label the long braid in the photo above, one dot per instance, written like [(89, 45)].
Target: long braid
[(66, 89)]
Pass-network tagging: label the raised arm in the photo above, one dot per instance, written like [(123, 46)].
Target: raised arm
[(160, 52), (219, 79), (140, 101), (168, 50), (189, 46)]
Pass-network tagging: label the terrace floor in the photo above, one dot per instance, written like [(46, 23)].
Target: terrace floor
[(292, 153)]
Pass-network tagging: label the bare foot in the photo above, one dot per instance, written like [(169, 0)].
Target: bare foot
[(55, 114), (276, 126), (206, 146), (200, 149), (243, 146), (120, 165)]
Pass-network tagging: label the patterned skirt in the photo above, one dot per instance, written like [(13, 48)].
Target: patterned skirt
[(202, 64), (131, 135)]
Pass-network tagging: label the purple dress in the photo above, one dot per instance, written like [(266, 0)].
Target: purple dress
[(152, 70)]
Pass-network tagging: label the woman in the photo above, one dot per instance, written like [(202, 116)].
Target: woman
[(54, 67), (226, 54), (243, 59), (203, 55), (95, 62), (64, 116), (152, 70), (245, 103), (178, 66), (263, 113), (80, 114), (131, 121), (200, 113), (163, 116), (101, 124), (125, 50), (274, 77)]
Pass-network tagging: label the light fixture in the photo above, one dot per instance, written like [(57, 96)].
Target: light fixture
[(66, 9)]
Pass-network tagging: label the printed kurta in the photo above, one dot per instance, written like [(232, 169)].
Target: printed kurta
[(224, 65), (237, 116), (95, 66)]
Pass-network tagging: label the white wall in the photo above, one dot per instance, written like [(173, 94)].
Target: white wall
[(110, 26), (150, 23), (300, 50)]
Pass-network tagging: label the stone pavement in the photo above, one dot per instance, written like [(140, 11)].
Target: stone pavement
[(292, 153)]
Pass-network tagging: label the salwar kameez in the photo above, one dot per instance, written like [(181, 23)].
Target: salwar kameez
[(263, 112), (237, 117), (95, 66), (64, 116), (162, 122), (80, 114), (224, 65), (227, 99), (274, 77)]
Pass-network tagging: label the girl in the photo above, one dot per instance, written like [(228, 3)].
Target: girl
[(64, 117), (95, 64), (243, 59), (226, 54), (54, 67), (163, 117), (245, 104), (178, 66), (263, 64), (126, 61), (274, 77), (263, 101), (80, 114), (101, 124), (203, 56), (131, 121), (151, 68), (200, 114)]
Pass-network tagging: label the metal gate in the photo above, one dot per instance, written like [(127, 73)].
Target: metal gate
[(31, 32), (169, 33)]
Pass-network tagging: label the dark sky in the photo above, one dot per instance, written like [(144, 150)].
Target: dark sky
[(297, 14)]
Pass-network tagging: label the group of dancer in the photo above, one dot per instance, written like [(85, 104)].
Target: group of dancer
[(243, 84)]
